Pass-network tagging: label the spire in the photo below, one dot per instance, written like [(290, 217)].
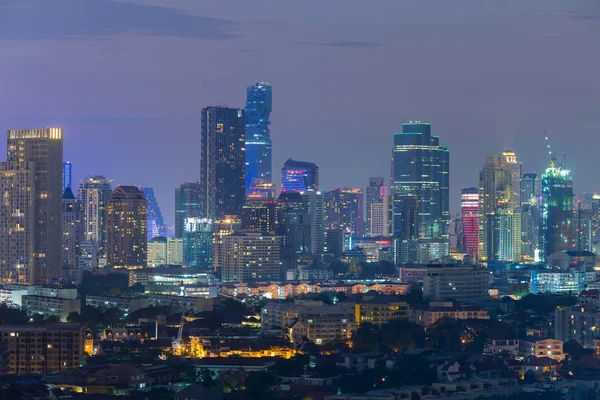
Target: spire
[(68, 194)]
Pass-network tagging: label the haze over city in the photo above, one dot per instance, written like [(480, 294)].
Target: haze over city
[(127, 80)]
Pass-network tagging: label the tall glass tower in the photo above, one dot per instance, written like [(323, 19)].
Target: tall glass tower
[(67, 175), (258, 135), (557, 210), (420, 167)]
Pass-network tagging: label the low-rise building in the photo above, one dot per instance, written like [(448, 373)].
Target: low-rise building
[(427, 315), (43, 349), (125, 304), (182, 303), (48, 306), (314, 320), (556, 281), (375, 308), (309, 273), (549, 348)]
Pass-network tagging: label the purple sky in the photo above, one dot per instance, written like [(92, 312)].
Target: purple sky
[(127, 80)]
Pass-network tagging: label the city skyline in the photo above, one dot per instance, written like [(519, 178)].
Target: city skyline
[(485, 104)]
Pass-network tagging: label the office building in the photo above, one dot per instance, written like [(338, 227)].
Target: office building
[(221, 228), (420, 167), (259, 215), (516, 172), (314, 202), (198, 243), (249, 256), (165, 251), (43, 349), (429, 314), (127, 224), (377, 208), (557, 210), (67, 175), (18, 223), (258, 135), (93, 195), (343, 210), (495, 188), (508, 225), (261, 190), (595, 218), (299, 176), (318, 322), (531, 189), (374, 308), (71, 234), (293, 223), (455, 283), (469, 215), (187, 205), (156, 223), (582, 229), (44, 149), (223, 162)]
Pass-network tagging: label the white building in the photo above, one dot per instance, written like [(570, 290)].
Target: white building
[(550, 348), (48, 306), (456, 283), (165, 251)]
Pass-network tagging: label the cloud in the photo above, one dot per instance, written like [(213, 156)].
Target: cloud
[(345, 43), (585, 17), (101, 19)]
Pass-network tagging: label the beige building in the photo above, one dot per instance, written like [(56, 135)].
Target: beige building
[(312, 319), (427, 315), (43, 349), (249, 256), (550, 348), (376, 308), (165, 251)]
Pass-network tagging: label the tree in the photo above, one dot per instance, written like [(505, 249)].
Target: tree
[(259, 385), (73, 317), (366, 337), (113, 317), (206, 377), (10, 315), (403, 334)]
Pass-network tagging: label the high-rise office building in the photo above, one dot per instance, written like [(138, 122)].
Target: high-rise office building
[(223, 162), (127, 225), (530, 232), (198, 243), (18, 223), (156, 223), (187, 205), (67, 175), (582, 229), (377, 197), (221, 228), (557, 210), (258, 135), (596, 218), (314, 202), (44, 147), (250, 256), (259, 215), (343, 210), (261, 190), (531, 189), (469, 215), (420, 167), (93, 195), (495, 181), (516, 171), (299, 176), (71, 234), (293, 222)]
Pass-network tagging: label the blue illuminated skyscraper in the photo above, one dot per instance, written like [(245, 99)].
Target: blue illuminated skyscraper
[(299, 176), (258, 136), (67, 175)]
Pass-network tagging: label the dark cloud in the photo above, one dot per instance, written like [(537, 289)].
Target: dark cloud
[(76, 19), (345, 43)]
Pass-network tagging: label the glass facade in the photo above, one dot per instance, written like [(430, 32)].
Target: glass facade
[(420, 167), (557, 210), (258, 135), (198, 243), (299, 176), (156, 223), (67, 175)]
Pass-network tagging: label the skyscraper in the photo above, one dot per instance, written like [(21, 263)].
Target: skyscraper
[(377, 198), (259, 215), (469, 214), (596, 218), (187, 205), (293, 223), (18, 223), (127, 225), (258, 135), (516, 172), (420, 167), (67, 175), (223, 162), (198, 243), (557, 210), (71, 234), (343, 210), (156, 223), (299, 176), (93, 195), (44, 147), (495, 181), (314, 202), (530, 189)]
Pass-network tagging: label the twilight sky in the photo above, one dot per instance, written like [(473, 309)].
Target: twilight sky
[(126, 81)]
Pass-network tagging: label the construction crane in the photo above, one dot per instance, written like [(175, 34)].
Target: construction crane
[(178, 342)]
